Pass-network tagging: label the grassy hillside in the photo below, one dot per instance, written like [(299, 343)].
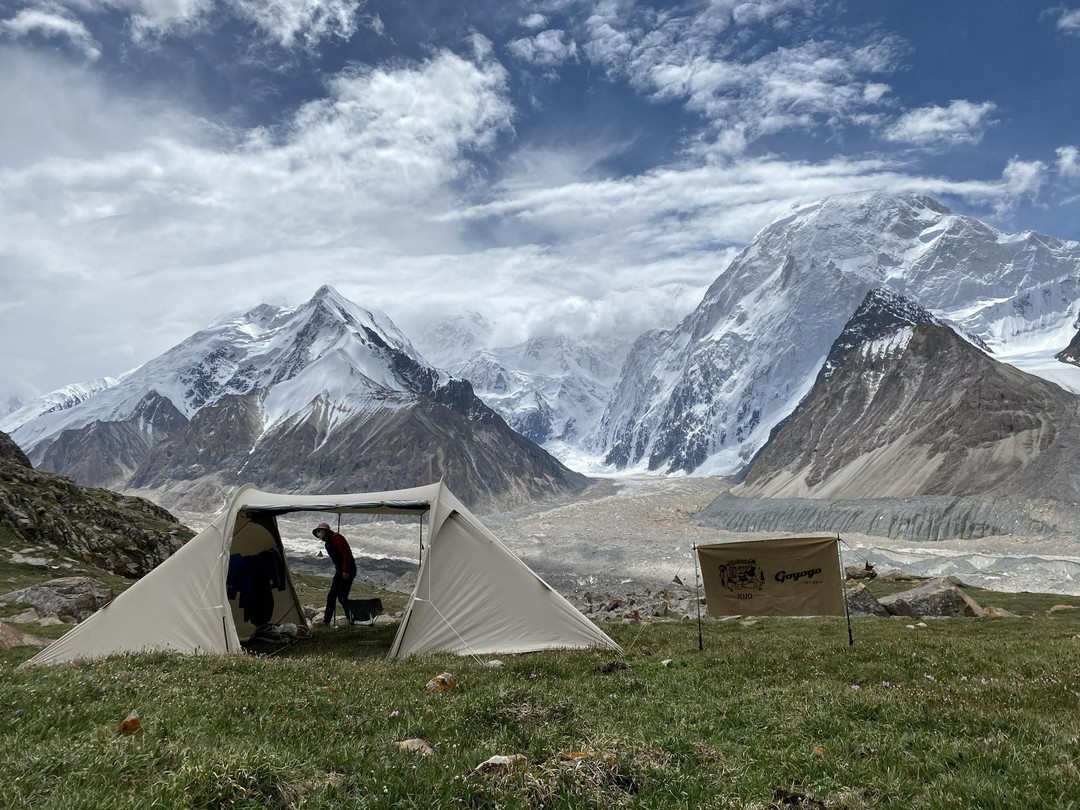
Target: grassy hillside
[(961, 713)]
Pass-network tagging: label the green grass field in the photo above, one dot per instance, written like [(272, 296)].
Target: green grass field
[(774, 713)]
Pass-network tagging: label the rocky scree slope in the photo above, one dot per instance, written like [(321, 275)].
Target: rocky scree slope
[(120, 534)]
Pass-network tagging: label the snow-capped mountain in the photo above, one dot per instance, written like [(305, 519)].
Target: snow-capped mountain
[(9, 406), (59, 400), (912, 432), (324, 394), (903, 406), (705, 395), (552, 390)]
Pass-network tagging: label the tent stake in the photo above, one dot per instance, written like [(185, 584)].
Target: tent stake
[(843, 590), (697, 598)]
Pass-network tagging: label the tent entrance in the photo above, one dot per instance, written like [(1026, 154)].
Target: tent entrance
[(259, 585), (260, 588)]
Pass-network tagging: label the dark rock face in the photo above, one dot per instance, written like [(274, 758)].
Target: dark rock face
[(881, 312), (218, 437), (125, 535), (402, 444), (10, 452), (1071, 353), (106, 454), (70, 598), (913, 409)]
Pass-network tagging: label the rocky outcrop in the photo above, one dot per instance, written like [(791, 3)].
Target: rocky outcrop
[(11, 452), (672, 604), (860, 602), (1071, 353), (118, 533), (938, 597), (70, 598)]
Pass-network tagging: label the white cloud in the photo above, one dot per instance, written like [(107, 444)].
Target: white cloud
[(51, 23), (163, 221), (1068, 162), (702, 61), (168, 221), (875, 92), (546, 49), (313, 20), (1020, 179), (534, 21), (1069, 21), (958, 123), (1024, 177), (121, 205), (284, 21)]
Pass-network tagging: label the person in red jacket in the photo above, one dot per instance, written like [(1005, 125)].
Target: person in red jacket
[(337, 548)]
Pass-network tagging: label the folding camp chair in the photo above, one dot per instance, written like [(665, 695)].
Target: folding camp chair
[(365, 610)]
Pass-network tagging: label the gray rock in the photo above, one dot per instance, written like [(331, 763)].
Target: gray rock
[(860, 571), (72, 598), (861, 602), (998, 613), (938, 597), (26, 617), (10, 637)]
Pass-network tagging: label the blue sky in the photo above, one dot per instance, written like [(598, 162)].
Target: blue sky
[(579, 167)]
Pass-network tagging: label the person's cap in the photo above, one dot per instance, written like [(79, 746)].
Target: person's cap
[(316, 530)]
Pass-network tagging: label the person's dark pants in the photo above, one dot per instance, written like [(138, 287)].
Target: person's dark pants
[(339, 592)]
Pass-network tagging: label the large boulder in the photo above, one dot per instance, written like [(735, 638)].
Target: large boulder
[(70, 598), (861, 602), (938, 598), (10, 637)]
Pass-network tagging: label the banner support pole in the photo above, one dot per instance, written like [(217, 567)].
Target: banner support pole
[(697, 599), (843, 591)]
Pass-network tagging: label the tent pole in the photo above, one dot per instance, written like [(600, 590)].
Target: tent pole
[(697, 598), (843, 590), (421, 557)]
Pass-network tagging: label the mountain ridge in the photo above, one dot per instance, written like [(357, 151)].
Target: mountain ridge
[(703, 396), (227, 400)]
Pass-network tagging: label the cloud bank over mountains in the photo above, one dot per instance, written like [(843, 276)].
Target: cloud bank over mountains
[(165, 161)]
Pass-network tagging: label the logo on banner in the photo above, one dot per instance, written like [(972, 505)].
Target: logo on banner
[(795, 576), (742, 575)]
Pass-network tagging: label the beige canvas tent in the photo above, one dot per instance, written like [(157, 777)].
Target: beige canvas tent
[(472, 595)]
